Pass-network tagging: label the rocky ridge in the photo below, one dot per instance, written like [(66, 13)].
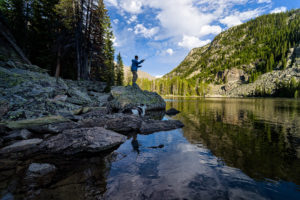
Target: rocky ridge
[(41, 114), (267, 84)]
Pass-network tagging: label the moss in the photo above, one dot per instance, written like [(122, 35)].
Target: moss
[(36, 122)]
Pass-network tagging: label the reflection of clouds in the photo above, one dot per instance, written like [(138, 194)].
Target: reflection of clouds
[(178, 171), (191, 169)]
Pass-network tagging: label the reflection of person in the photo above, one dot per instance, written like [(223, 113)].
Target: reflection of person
[(134, 67), (135, 144)]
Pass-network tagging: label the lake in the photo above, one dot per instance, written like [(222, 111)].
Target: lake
[(228, 149)]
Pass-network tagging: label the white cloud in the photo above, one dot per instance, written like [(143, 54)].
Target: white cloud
[(230, 21), (129, 29), (147, 33), (132, 6), (279, 10), (239, 17), (133, 18), (170, 51), (111, 2), (190, 42), (116, 21), (264, 1), (115, 43), (179, 17)]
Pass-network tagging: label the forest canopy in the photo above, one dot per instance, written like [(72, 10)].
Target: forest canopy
[(70, 38)]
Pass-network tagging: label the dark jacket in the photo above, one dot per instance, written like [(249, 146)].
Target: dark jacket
[(135, 64)]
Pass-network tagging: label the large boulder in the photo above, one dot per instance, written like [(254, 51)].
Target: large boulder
[(124, 98), (82, 140)]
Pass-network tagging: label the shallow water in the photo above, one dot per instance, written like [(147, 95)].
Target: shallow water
[(228, 149)]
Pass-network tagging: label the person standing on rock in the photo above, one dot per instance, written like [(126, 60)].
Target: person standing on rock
[(134, 67)]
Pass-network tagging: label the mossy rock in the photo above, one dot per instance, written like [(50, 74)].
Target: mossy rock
[(23, 124), (128, 97)]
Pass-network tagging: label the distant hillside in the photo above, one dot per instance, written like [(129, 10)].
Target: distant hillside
[(259, 45), (141, 75), (241, 55)]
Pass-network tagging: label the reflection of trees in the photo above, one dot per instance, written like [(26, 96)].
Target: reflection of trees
[(259, 136)]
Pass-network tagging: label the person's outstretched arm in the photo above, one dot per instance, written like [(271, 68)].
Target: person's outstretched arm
[(141, 61)]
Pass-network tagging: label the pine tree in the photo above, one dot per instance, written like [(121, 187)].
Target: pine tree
[(108, 51), (119, 70)]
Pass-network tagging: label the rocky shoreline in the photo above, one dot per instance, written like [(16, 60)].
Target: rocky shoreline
[(41, 116)]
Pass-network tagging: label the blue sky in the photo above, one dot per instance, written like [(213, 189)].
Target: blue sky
[(164, 31)]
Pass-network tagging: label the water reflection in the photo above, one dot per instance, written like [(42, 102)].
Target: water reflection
[(228, 149), (259, 136)]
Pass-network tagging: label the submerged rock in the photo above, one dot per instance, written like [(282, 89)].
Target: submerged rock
[(124, 98), (39, 174), (74, 141), (38, 170), (172, 111), (151, 126)]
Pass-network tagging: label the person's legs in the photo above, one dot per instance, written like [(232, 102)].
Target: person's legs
[(134, 77)]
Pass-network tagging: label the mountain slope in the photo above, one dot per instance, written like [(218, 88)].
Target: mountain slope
[(254, 48), (141, 75)]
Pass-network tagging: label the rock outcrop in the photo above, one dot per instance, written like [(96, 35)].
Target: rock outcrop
[(83, 140), (31, 93), (123, 98), (44, 115)]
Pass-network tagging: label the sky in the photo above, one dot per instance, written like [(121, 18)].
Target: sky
[(164, 31)]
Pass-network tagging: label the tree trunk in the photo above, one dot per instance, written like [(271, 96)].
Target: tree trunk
[(7, 35), (57, 72)]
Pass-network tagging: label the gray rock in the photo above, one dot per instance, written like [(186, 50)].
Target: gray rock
[(74, 141), (77, 97), (39, 174), (22, 134), (123, 98), (54, 128), (152, 126), (95, 113), (172, 111), (119, 122), (29, 146), (124, 124), (3, 129), (38, 170), (4, 107)]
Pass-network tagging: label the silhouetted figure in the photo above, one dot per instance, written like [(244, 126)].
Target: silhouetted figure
[(134, 67), (135, 144)]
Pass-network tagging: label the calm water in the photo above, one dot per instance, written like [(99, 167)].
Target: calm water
[(228, 149)]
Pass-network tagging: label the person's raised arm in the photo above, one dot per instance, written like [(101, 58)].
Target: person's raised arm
[(141, 61)]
